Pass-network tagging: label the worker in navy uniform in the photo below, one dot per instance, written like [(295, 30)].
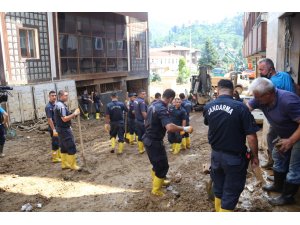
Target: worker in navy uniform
[(187, 105), (97, 103), (114, 122), (56, 155), (178, 117), (230, 124), (3, 124), (131, 118), (157, 122), (140, 112), (62, 118), (85, 99), (157, 97)]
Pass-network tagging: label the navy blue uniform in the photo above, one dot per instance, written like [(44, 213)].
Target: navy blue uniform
[(97, 102), (177, 116), (85, 102), (66, 138), (115, 110), (229, 122), (187, 105), (2, 128), (157, 118), (139, 107), (131, 117), (50, 114)]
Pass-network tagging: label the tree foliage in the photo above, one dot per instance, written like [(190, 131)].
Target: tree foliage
[(155, 77), (183, 72), (209, 56), (229, 31)]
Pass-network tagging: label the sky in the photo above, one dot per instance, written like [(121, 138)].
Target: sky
[(168, 10), (184, 17)]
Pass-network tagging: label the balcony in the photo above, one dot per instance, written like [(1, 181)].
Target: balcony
[(256, 41)]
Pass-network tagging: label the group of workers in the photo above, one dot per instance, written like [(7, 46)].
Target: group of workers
[(94, 98), (62, 138), (230, 123), (133, 126)]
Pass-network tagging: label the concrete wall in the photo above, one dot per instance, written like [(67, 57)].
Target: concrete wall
[(295, 48), (272, 36), (28, 102), (276, 43)]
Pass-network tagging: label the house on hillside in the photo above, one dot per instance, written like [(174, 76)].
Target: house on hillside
[(166, 59)]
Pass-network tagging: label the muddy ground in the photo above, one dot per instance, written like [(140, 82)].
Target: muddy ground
[(115, 182)]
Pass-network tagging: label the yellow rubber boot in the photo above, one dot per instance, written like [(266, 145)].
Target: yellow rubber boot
[(225, 210), (55, 158), (113, 142), (72, 161), (59, 154), (121, 147), (141, 147), (188, 142), (217, 204), (97, 116), (127, 136), (173, 147), (177, 148), (131, 139), (183, 143), (165, 183), (156, 186), (64, 161), (86, 116)]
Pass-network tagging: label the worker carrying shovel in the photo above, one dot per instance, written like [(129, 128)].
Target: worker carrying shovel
[(230, 124)]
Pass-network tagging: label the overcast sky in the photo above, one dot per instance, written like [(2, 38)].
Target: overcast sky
[(185, 17), (209, 8)]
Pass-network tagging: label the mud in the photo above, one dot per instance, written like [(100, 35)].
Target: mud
[(116, 182)]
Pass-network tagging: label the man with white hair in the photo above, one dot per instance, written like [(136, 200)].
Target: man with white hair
[(282, 109)]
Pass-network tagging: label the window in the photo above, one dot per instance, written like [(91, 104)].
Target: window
[(92, 43), (110, 87), (138, 50), (28, 43)]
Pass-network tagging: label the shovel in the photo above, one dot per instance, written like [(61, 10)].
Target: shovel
[(81, 146)]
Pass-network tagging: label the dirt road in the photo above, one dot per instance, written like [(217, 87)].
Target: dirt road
[(116, 183)]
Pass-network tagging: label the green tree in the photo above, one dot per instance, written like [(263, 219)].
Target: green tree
[(209, 55), (155, 77), (183, 72)]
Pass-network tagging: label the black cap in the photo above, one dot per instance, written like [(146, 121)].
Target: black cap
[(132, 94)]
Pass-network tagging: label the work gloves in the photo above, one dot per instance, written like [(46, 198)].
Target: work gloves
[(77, 112), (55, 134), (188, 129)]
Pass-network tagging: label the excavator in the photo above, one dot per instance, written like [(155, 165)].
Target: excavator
[(201, 89), (204, 86)]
